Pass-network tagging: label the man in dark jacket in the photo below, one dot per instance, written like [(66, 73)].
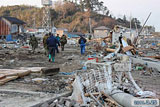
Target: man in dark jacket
[(82, 41), (52, 43)]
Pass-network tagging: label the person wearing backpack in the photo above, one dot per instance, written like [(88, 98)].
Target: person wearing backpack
[(82, 41)]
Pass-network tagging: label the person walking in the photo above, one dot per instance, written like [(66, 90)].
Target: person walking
[(52, 43), (33, 42), (82, 41), (58, 38), (46, 36), (63, 41)]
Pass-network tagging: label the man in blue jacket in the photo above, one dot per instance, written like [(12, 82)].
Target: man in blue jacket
[(82, 41), (52, 43)]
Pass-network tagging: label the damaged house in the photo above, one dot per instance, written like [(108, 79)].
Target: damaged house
[(10, 25), (101, 32)]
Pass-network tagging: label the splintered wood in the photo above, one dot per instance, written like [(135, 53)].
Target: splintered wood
[(7, 75)]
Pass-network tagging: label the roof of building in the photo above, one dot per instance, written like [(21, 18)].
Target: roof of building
[(74, 34), (77, 33), (102, 28), (13, 20), (64, 29)]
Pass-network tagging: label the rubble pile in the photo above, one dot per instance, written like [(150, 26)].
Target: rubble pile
[(50, 84), (149, 47), (68, 102), (100, 84), (105, 76), (60, 102)]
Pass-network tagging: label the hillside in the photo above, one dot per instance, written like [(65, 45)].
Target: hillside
[(67, 15)]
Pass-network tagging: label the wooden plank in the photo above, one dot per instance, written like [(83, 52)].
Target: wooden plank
[(127, 48), (11, 74), (32, 69), (14, 72), (110, 50), (88, 94), (109, 98), (95, 100), (22, 74), (156, 57), (2, 76), (9, 78)]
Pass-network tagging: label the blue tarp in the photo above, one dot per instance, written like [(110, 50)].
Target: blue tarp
[(9, 38), (72, 35)]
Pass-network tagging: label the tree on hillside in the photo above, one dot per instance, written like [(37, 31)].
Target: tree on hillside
[(94, 5), (135, 21), (107, 13), (88, 5), (81, 5), (65, 9), (54, 15), (58, 7), (105, 10), (124, 18)]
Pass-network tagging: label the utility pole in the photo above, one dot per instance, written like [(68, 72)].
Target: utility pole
[(130, 25), (90, 26), (144, 23), (136, 27), (142, 28), (34, 19)]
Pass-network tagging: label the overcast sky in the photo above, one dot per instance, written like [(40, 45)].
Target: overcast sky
[(131, 8)]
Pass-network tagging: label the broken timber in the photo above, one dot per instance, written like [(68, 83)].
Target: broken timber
[(7, 75)]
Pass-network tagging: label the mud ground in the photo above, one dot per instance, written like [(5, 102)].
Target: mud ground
[(24, 92)]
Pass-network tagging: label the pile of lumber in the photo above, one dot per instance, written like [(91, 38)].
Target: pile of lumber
[(101, 97), (129, 48), (7, 75)]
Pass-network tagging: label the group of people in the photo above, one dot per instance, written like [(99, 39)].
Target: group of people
[(52, 42)]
